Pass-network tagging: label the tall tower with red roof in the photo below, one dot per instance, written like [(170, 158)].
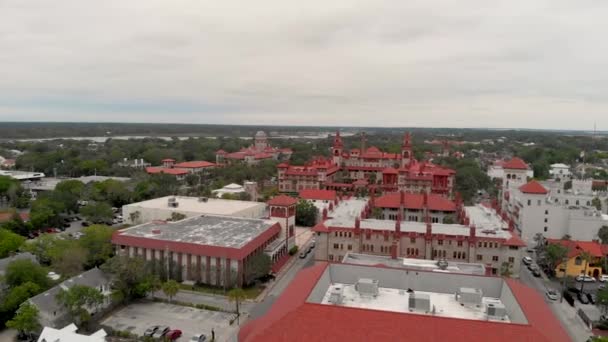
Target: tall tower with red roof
[(336, 150), (406, 150)]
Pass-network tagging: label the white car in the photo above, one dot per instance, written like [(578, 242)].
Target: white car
[(604, 278), (527, 260), (585, 278), (552, 294)]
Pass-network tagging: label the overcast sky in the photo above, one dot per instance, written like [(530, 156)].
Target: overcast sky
[(461, 63)]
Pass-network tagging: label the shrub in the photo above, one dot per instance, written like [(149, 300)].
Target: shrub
[(293, 250)]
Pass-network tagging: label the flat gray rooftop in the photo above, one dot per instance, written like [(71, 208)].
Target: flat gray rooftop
[(213, 206), (209, 230)]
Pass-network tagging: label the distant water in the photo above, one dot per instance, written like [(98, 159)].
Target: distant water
[(127, 137)]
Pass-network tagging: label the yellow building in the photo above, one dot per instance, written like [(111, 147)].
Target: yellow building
[(576, 264)]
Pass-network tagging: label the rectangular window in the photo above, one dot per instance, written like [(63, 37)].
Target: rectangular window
[(435, 219), (495, 258), (485, 245), (459, 243), (494, 270), (546, 212), (350, 247), (529, 202), (455, 254), (546, 220), (440, 242), (479, 257), (464, 255), (545, 229), (372, 248), (511, 259), (479, 244), (331, 257), (336, 246)]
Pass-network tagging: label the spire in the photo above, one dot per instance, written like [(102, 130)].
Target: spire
[(338, 140), (407, 140)]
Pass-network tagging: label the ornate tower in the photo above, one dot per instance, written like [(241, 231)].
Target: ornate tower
[(336, 150), (406, 150)]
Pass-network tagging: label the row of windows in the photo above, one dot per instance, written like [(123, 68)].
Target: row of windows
[(412, 251), (458, 243), (341, 246), (343, 234), (486, 244), (460, 255), (367, 248)]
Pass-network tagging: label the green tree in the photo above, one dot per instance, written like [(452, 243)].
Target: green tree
[(505, 269), (258, 266), (602, 300), (237, 295), (555, 254), (597, 203), (586, 256), (306, 214), (170, 288), (77, 299), (22, 271), (68, 192), (68, 257), (17, 225), (97, 240), (42, 246), (133, 278), (45, 212), (9, 242), (603, 234), (97, 212), (26, 320), (18, 295)]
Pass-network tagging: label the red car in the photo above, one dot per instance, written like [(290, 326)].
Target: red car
[(52, 230), (173, 335)]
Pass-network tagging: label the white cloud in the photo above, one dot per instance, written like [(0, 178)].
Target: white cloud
[(474, 63)]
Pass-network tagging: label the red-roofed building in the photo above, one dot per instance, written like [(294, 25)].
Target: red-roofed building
[(196, 166), (533, 187), (515, 164), (178, 173), (254, 154), (576, 264), (305, 311), (324, 196), (416, 206), (389, 171)]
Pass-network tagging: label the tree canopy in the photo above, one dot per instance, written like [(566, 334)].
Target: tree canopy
[(77, 299), (306, 214), (9, 242)]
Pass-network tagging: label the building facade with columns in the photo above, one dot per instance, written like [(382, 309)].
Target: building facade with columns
[(480, 236), (365, 167)]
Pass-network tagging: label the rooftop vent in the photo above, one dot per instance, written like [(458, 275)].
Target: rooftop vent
[(469, 296), (336, 295), (420, 302), (367, 287), (496, 311), (172, 202), (442, 264)]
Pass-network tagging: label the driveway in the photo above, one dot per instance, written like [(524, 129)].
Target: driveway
[(138, 317)]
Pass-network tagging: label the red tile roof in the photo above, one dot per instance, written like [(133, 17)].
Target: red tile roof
[(283, 165), (168, 160), (293, 319), (221, 152), (415, 201), (575, 247), (515, 164), (390, 170), (313, 194), (515, 240), (533, 187), (194, 164), (283, 200), (158, 169), (7, 216)]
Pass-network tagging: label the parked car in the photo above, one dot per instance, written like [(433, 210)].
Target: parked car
[(536, 272), (303, 254), (161, 331), (51, 230), (66, 225), (585, 278), (85, 224), (569, 297), (574, 290), (603, 278), (592, 297), (533, 267), (552, 294), (527, 260), (151, 330), (173, 335), (582, 297), (198, 338)]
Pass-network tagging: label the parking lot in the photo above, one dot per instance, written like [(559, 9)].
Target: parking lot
[(136, 318)]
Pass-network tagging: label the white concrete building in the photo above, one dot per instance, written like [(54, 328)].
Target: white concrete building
[(552, 212), (513, 172), (162, 208), (560, 171)]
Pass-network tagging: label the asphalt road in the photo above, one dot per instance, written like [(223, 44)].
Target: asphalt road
[(566, 314)]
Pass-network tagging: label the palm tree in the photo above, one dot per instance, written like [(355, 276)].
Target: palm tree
[(170, 289), (237, 295), (586, 257)]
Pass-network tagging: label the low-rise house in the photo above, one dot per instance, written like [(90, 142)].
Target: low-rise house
[(576, 264), (53, 314)]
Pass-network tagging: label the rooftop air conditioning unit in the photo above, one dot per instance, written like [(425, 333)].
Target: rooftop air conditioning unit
[(496, 311), (336, 295), (367, 287), (469, 296), (420, 302)]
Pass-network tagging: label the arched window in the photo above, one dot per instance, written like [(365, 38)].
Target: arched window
[(578, 261)]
